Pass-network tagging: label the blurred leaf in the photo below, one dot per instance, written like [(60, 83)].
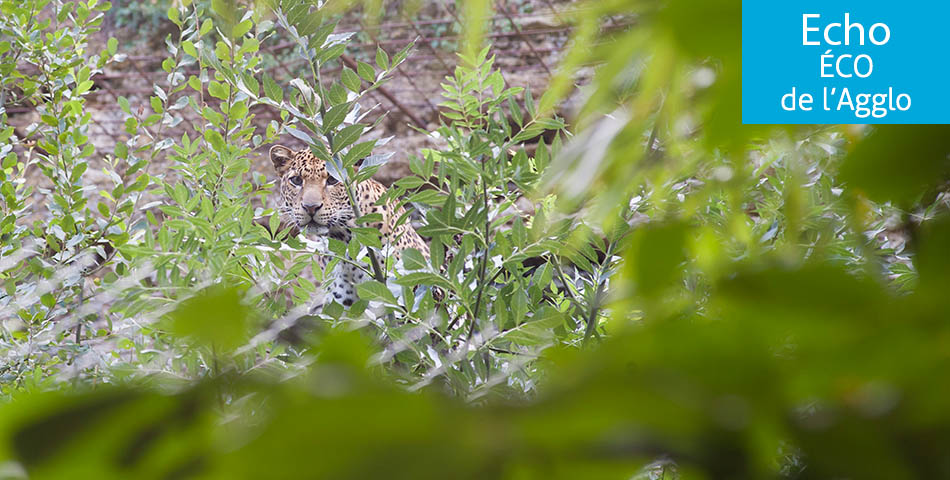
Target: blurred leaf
[(227, 13), (898, 162), (110, 434), (214, 317), (933, 259), (655, 257)]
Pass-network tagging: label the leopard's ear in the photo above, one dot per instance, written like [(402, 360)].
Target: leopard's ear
[(281, 156)]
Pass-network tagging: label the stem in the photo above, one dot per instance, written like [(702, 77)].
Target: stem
[(79, 321), (378, 273), (568, 286), (484, 267), (353, 263), (594, 310), (595, 302)]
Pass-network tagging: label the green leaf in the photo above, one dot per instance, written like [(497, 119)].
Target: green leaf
[(189, 48), (215, 139), (335, 116), (350, 80), (121, 150), (321, 34), (214, 317), (898, 162), (219, 90), (410, 182), (515, 112), (272, 90), (656, 253), (156, 104), (83, 87), (227, 12), (347, 136), (412, 259), (332, 53), (551, 123), (333, 309), (382, 58), (366, 71), (359, 151), (337, 94), (374, 291), (428, 197), (336, 247), (367, 236), (242, 28), (173, 15)]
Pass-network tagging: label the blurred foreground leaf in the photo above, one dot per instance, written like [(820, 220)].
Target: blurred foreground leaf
[(214, 317), (898, 162)]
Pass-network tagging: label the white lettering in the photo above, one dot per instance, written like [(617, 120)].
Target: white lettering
[(828, 39), (876, 27), (806, 29), (878, 34), (847, 29), (838, 66), (906, 106), (826, 66), (870, 66)]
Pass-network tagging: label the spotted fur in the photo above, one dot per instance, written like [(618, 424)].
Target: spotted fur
[(317, 205)]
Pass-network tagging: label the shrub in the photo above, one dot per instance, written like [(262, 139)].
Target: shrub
[(50, 247)]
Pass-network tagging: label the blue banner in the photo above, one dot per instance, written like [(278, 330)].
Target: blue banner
[(836, 61)]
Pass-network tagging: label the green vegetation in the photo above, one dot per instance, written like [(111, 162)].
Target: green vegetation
[(653, 291)]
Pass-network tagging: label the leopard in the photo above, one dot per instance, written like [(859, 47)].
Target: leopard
[(317, 204)]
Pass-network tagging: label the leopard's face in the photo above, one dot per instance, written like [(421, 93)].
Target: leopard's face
[(302, 187), (309, 196)]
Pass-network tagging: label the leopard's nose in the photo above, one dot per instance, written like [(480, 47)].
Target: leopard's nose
[(312, 208)]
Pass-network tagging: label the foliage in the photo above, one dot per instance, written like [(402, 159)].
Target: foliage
[(654, 291), (494, 259), (492, 320), (46, 62)]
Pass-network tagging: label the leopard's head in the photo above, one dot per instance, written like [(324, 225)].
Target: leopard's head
[(307, 191)]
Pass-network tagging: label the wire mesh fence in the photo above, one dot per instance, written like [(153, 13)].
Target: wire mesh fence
[(527, 38)]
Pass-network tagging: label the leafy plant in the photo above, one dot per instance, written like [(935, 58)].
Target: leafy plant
[(498, 257), (49, 248)]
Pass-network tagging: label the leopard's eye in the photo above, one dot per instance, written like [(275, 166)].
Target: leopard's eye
[(331, 180), (296, 180)]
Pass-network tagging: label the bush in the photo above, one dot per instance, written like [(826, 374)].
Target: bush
[(47, 251)]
